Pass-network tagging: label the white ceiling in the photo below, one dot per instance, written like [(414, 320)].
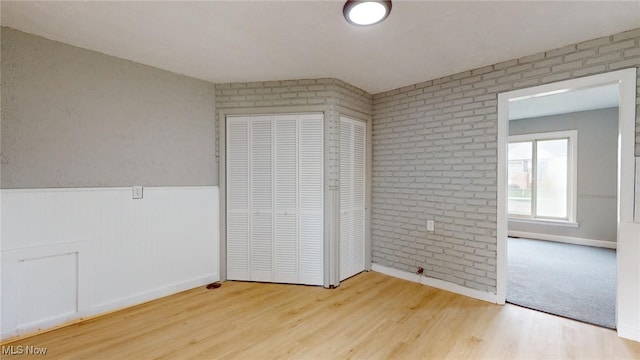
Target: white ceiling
[(565, 102), (237, 41)]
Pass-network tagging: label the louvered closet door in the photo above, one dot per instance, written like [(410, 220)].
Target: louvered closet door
[(275, 198), (261, 192), (352, 196), (311, 197), (238, 198), (286, 199)]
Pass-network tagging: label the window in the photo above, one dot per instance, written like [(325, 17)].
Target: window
[(542, 176)]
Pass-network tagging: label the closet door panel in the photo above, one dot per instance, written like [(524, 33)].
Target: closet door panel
[(352, 197), (311, 162), (346, 199), (359, 194), (261, 247), (286, 199), (311, 198), (238, 199), (311, 251), (261, 190), (286, 248)]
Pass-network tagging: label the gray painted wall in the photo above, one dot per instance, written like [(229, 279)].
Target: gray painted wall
[(597, 171), (77, 118), (435, 158)]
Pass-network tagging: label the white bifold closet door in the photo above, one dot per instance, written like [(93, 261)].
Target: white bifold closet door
[(275, 198), (353, 140)]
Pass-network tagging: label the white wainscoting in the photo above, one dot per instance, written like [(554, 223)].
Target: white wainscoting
[(72, 253)]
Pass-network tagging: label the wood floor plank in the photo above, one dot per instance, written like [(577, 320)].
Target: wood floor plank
[(370, 316)]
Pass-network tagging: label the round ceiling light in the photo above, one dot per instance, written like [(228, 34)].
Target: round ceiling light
[(363, 12)]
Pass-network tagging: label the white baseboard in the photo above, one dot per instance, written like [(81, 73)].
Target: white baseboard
[(153, 294), (438, 284), (113, 306), (564, 239)]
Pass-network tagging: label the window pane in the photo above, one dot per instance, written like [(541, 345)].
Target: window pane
[(520, 177), (551, 178)]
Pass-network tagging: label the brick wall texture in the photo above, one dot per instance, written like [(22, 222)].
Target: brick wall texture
[(435, 151), (435, 158)]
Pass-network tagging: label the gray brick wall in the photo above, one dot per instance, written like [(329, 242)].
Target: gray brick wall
[(435, 158), (328, 92)]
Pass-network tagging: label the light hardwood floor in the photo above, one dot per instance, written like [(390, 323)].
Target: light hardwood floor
[(370, 316)]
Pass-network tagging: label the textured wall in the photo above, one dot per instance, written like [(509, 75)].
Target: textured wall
[(597, 171), (77, 118), (435, 157)]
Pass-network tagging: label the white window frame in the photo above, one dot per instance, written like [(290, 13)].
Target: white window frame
[(572, 176)]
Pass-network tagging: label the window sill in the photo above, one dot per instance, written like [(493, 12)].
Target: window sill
[(562, 223)]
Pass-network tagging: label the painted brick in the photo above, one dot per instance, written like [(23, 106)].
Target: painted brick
[(567, 66), (482, 70), (531, 58), (631, 34), (526, 83), (556, 77), (617, 46), (589, 70), (461, 75), (454, 167), (625, 64), (594, 43), (519, 68), (561, 51), (632, 52), (504, 64), (579, 55), (548, 63), (537, 72)]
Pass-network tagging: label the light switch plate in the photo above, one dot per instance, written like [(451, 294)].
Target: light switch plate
[(137, 192)]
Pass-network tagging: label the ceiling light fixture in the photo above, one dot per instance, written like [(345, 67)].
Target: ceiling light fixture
[(366, 12)]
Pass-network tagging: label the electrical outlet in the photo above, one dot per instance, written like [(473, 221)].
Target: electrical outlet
[(431, 226), (137, 192)]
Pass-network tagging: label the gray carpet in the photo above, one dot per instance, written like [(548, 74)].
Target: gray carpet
[(574, 281)]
